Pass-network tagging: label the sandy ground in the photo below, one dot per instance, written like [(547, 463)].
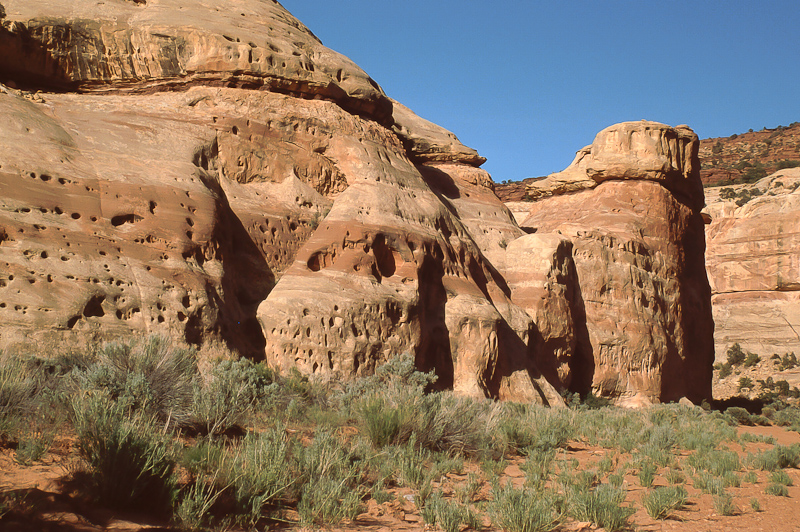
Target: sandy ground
[(44, 502)]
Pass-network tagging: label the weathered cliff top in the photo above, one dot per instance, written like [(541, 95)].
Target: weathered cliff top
[(140, 46), (641, 150)]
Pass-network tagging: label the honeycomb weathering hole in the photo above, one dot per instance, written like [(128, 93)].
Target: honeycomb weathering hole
[(320, 260), (116, 221), (385, 256)]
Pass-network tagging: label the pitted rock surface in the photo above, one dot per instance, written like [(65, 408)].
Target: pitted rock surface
[(208, 170)]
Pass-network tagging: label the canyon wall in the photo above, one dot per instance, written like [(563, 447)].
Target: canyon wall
[(753, 262), (212, 172)]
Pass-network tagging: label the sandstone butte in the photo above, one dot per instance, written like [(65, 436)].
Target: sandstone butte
[(210, 171)]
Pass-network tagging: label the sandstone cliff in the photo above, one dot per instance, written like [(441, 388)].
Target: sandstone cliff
[(753, 262), (629, 208), (212, 171), (209, 170)]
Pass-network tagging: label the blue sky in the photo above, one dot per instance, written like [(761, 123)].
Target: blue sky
[(528, 83)]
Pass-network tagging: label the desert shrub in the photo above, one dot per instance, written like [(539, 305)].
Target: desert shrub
[(751, 360), (779, 457), (745, 383), (602, 506), (231, 389), (716, 462), (675, 476), (787, 163), (736, 355), (525, 510), (778, 490), (788, 361), (258, 474), (204, 458), (399, 373), (17, 390), (150, 376), (723, 504), (780, 477), (328, 482), (750, 477), (448, 515), (725, 370), (130, 460), (458, 425), (536, 428), (408, 464), (738, 415), (32, 447), (192, 511), (727, 193), (755, 505), (384, 423), (708, 483), (661, 501), (647, 473)]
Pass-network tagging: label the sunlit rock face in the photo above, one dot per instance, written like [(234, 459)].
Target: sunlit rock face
[(640, 328), (753, 262), (210, 171)]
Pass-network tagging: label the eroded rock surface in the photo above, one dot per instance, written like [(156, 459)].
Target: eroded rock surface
[(207, 169), (630, 208), (753, 262)]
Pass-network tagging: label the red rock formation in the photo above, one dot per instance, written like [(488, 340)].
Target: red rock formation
[(217, 174), (630, 206), (753, 263)]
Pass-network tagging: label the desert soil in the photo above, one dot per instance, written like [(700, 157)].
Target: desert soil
[(44, 501)]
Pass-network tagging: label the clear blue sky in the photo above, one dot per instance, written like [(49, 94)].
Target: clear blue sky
[(528, 83)]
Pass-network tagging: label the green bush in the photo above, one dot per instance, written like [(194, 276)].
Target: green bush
[(744, 383), (751, 360), (525, 510), (736, 355), (646, 474), (738, 415), (131, 461), (449, 516), (661, 501), (723, 504), (384, 423), (259, 474), (328, 482), (779, 457), (222, 401), (780, 477), (536, 428), (778, 490), (150, 376), (725, 370), (602, 506)]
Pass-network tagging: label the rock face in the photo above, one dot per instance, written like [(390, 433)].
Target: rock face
[(209, 170), (629, 207), (753, 262)]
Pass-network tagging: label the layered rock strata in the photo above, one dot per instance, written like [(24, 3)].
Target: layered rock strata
[(639, 299), (753, 262), (209, 170)]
